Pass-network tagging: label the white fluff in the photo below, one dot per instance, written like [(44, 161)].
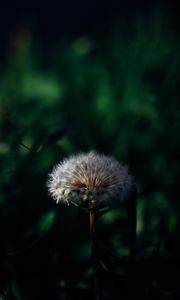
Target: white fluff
[(90, 176)]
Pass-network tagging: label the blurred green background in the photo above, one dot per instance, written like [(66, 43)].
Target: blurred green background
[(78, 78)]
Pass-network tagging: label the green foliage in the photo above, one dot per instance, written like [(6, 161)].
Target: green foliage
[(118, 95)]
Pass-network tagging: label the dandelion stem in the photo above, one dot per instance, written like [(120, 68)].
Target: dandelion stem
[(91, 222), (95, 271)]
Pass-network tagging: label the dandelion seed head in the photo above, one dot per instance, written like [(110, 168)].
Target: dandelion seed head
[(90, 179)]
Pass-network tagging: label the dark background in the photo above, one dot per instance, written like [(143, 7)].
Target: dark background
[(74, 77)]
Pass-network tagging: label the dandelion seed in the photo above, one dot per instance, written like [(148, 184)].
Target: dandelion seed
[(90, 180)]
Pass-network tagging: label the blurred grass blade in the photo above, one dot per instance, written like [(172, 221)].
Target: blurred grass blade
[(46, 221), (43, 227), (50, 139)]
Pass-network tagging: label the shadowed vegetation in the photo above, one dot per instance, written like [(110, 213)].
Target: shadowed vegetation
[(117, 94)]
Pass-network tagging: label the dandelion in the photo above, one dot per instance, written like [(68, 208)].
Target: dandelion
[(90, 180)]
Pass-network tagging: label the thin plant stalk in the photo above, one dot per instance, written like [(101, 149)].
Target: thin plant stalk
[(133, 217), (132, 255), (91, 222), (92, 235)]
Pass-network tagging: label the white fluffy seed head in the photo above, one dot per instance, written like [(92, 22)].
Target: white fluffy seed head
[(90, 179)]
